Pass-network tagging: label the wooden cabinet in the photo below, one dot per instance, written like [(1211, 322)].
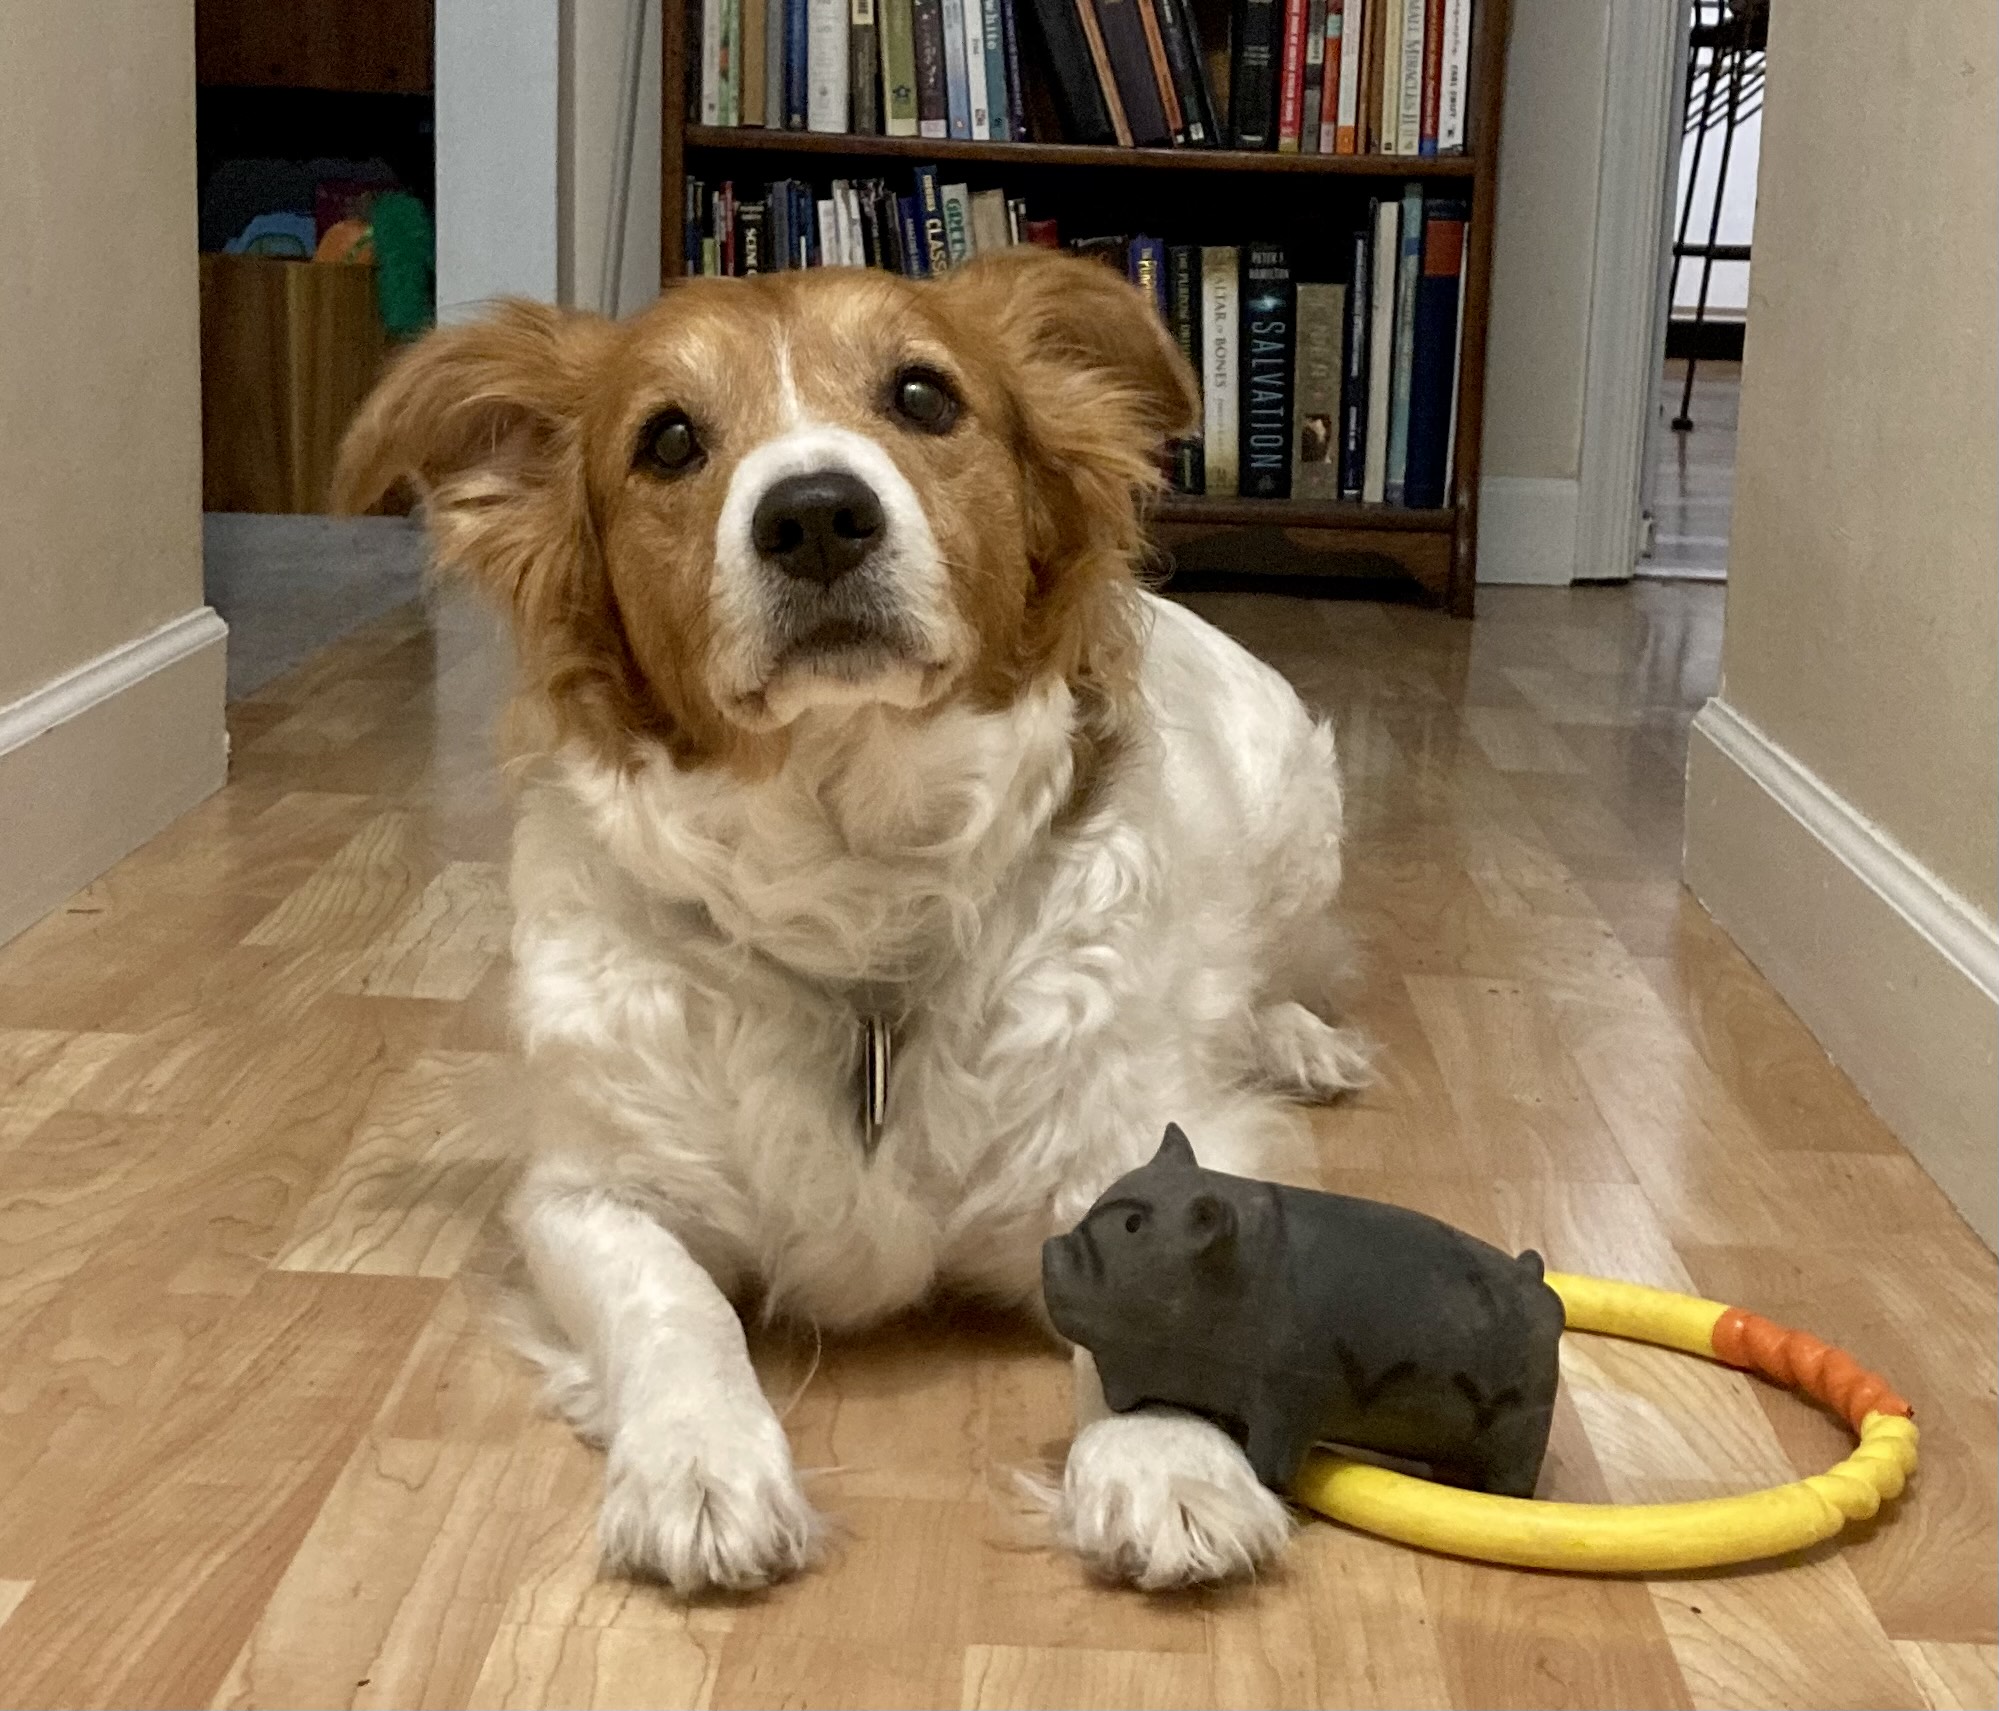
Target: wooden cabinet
[(364, 46)]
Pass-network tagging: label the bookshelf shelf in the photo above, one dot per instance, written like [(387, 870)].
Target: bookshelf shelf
[(758, 140), (1183, 195)]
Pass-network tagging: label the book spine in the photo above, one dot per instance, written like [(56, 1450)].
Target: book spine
[(1130, 59), (1385, 20), (1430, 379), (894, 256), (711, 61), (957, 95), (752, 74), (827, 59), (993, 27), (725, 226), (1315, 391), (797, 64), (871, 236), (1269, 357), (1190, 78), (775, 13), (1345, 141), (1183, 315), (1043, 234), (1291, 76), (930, 219), (1253, 76), (729, 74), (1381, 345), (864, 69), (1408, 267), (1070, 61), (1433, 71), (932, 101), (1409, 84), (827, 212), (1457, 379), (915, 253), (1451, 79), (956, 203), (898, 52), (750, 238), (1016, 111), (975, 71), (1220, 299), (693, 203), (1162, 69), (1100, 63), (1148, 271), (1312, 120)]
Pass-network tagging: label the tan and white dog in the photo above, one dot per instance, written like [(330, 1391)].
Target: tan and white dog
[(846, 726)]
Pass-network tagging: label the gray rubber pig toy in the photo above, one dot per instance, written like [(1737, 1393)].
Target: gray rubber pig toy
[(1292, 1318)]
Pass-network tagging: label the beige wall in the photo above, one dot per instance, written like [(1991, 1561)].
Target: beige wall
[(100, 425), (1544, 241), (1864, 565)]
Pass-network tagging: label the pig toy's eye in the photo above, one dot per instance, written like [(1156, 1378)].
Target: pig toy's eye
[(1135, 1223)]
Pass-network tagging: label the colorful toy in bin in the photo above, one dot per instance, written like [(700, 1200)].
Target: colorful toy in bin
[(1293, 1318)]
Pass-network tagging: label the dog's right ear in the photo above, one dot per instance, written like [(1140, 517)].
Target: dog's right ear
[(482, 420)]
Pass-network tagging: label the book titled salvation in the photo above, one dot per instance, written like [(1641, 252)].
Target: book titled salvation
[(1269, 350)]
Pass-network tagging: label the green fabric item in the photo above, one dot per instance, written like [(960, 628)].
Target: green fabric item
[(405, 264)]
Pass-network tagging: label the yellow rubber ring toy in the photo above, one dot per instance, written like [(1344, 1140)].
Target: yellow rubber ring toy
[(1650, 1538)]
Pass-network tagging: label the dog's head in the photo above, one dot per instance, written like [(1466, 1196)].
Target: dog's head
[(807, 490)]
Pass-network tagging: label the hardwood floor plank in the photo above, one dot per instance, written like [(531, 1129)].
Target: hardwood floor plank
[(1952, 1677), (997, 1678)]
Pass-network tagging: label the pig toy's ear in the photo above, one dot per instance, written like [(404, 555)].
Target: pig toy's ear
[(1211, 1226), (1176, 1152)]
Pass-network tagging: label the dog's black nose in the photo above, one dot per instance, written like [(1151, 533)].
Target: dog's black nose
[(817, 527)]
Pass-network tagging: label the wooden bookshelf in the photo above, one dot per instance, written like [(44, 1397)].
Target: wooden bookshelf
[(1193, 196)]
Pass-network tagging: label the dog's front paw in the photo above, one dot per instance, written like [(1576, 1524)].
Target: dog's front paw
[(705, 1503), (1162, 1499)]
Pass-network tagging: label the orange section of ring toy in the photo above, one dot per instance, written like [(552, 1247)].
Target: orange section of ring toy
[(1803, 1361)]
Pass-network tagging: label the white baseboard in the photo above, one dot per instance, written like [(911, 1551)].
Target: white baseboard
[(1527, 530), (95, 763), (1893, 971)]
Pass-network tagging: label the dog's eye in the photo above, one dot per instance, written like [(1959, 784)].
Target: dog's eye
[(667, 444), (922, 397), (1135, 1223)]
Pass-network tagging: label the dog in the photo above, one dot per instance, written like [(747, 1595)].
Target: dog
[(889, 866)]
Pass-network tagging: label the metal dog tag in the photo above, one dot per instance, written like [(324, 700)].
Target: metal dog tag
[(875, 1051)]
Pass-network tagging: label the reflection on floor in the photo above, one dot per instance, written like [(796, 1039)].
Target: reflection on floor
[(1693, 479), (289, 586)]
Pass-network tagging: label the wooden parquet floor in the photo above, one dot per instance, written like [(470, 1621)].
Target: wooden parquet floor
[(256, 1448)]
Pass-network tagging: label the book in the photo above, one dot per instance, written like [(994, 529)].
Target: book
[(1190, 75), (1312, 121), (1045, 234), (913, 252), (1352, 14), (957, 95), (1384, 21), (775, 12), (1220, 300), (1106, 250), (930, 222), (975, 70), (1135, 86), (1432, 379), (1451, 77), (1409, 82), (1408, 267), (753, 77), (932, 103), (693, 205), (1353, 366), (989, 222), (827, 62), (1315, 389), (779, 198), (1269, 348), (1162, 70), (1100, 63), (1183, 316), (864, 70), (731, 91), (1291, 75), (1380, 343), (1457, 379), (956, 202), (992, 27), (1433, 67), (1145, 266), (711, 62), (1253, 76), (1079, 101), (752, 250), (898, 56), (797, 64), (1016, 112), (827, 210)]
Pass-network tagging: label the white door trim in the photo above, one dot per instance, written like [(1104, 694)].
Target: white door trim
[(1640, 149)]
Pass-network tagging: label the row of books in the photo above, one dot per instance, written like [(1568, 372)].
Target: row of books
[(1315, 390), (1321, 390), (1296, 76)]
